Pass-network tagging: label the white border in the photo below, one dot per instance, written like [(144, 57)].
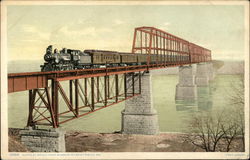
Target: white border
[(116, 155), (4, 93)]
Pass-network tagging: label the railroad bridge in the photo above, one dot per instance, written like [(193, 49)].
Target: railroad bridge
[(85, 91)]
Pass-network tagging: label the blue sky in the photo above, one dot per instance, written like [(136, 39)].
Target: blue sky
[(31, 29)]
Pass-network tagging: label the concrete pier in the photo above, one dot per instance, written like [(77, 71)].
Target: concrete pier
[(42, 140), (186, 89), (139, 116), (202, 74)]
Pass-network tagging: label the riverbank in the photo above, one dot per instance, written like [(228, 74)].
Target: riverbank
[(79, 141)]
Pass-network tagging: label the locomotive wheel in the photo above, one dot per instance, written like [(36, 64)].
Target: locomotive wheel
[(70, 67), (47, 67)]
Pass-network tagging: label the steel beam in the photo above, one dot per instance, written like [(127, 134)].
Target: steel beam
[(97, 89), (139, 82), (92, 93), (71, 92), (105, 90), (76, 97), (65, 98), (108, 87), (31, 103), (86, 91), (52, 115), (133, 83), (26, 81), (116, 87), (55, 101), (125, 85)]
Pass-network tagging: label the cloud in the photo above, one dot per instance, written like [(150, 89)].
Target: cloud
[(83, 31), (166, 24), (34, 34), (29, 28), (118, 22)]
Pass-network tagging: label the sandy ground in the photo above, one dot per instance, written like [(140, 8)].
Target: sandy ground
[(14, 142), (163, 142)]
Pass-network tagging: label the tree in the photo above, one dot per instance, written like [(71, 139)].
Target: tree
[(237, 100), (213, 132), (217, 132), (204, 132)]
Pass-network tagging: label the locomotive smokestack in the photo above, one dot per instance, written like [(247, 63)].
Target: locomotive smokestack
[(48, 54), (49, 49)]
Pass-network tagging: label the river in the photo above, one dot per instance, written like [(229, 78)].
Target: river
[(172, 115)]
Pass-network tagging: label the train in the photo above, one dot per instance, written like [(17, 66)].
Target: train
[(70, 59)]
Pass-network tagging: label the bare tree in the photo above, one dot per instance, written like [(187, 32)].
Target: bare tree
[(217, 132), (213, 132), (204, 132), (230, 129), (237, 96), (237, 100)]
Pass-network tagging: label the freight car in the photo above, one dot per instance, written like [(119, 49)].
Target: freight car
[(69, 59)]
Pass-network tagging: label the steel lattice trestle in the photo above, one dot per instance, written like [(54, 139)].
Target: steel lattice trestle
[(95, 89), (84, 96)]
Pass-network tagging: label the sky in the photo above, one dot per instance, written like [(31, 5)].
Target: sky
[(31, 28)]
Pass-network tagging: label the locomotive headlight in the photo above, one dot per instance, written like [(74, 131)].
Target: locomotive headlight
[(48, 57)]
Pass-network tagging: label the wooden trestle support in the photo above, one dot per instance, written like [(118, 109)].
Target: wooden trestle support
[(84, 96)]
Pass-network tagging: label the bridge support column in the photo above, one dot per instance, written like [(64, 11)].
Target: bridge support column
[(211, 74), (41, 140), (186, 89), (139, 116), (202, 74)]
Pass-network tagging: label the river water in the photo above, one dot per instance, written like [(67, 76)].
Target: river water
[(173, 115)]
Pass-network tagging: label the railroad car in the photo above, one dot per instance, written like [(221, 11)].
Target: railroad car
[(141, 59), (128, 58), (99, 57)]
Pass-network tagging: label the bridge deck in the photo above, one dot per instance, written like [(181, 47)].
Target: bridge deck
[(32, 80)]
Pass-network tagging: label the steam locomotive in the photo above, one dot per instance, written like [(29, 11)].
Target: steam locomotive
[(69, 59)]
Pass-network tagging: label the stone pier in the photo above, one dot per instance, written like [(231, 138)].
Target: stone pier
[(186, 89), (139, 116), (202, 74), (43, 140), (211, 74)]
